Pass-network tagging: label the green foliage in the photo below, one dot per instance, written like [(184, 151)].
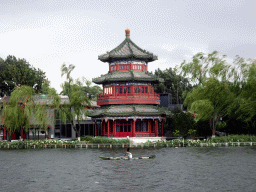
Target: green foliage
[(183, 122), (86, 138), (91, 91), (247, 99), (17, 112), (221, 126), (192, 132), (222, 89), (234, 138), (210, 101), (104, 140), (16, 72), (172, 83), (176, 133), (75, 110)]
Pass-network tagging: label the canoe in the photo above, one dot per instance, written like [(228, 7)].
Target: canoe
[(126, 158)]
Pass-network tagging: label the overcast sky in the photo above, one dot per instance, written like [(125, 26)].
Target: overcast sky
[(48, 33)]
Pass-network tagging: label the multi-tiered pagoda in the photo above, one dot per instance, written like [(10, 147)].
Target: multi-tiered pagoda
[(128, 103)]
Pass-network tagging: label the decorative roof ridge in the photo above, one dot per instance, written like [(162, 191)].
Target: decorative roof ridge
[(142, 50), (119, 46), (130, 46), (132, 74)]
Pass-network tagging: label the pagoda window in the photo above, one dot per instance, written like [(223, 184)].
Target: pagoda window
[(124, 90), (151, 90), (120, 90), (116, 90), (142, 89), (141, 126), (129, 89), (129, 128), (138, 89), (106, 90), (120, 67), (146, 89), (135, 89), (127, 67)]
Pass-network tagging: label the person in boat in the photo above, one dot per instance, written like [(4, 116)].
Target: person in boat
[(128, 153)]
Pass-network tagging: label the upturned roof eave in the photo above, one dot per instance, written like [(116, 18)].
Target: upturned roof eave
[(104, 111), (108, 78)]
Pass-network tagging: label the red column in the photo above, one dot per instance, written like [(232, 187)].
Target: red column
[(114, 128), (156, 128), (133, 128), (103, 127), (149, 127), (108, 128), (4, 133), (95, 128), (162, 128)]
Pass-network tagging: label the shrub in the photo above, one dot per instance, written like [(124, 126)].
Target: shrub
[(86, 138)]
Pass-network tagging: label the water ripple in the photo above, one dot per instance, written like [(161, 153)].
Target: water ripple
[(182, 169)]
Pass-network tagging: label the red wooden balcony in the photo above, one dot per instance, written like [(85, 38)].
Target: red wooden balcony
[(135, 98)]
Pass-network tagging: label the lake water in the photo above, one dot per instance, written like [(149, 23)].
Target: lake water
[(183, 169)]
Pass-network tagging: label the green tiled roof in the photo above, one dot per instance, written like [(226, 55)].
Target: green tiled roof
[(128, 49), (126, 76), (126, 110)]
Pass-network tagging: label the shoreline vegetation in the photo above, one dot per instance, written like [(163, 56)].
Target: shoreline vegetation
[(104, 142)]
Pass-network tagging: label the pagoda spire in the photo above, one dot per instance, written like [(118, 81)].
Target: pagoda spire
[(127, 33)]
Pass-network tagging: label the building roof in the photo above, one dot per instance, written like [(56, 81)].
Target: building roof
[(126, 110), (130, 75), (127, 49)]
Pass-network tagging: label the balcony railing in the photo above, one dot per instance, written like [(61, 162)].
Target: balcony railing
[(135, 98)]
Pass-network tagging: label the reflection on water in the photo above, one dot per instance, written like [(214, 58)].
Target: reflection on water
[(182, 169)]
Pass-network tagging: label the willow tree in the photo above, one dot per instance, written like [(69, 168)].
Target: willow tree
[(211, 95), (76, 109), (246, 101), (210, 101), (18, 110)]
